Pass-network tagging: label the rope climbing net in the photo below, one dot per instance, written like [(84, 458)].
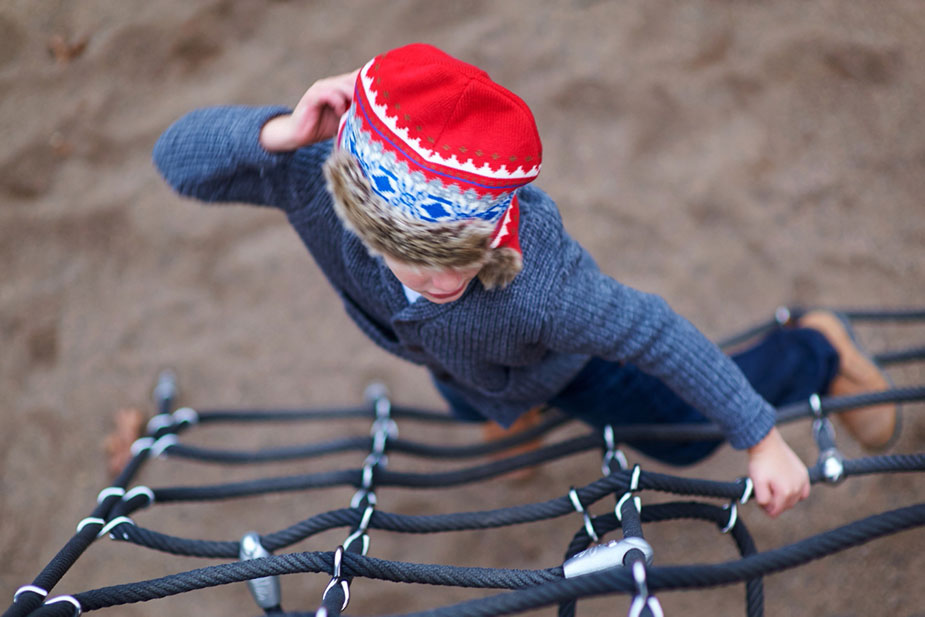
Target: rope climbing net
[(592, 565)]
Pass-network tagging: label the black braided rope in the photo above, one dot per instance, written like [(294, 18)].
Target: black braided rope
[(364, 444), (526, 513), (837, 404), (788, 413), (900, 315), (823, 544), (58, 566), (348, 477), (556, 507), (58, 609), (627, 433), (648, 480), (796, 411), (748, 334), (233, 457), (382, 477), (487, 519), (298, 415), (70, 552), (537, 587), (754, 588), (886, 358), (619, 580), (891, 463), (313, 562)]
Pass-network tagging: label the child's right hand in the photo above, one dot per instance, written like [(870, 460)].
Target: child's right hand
[(780, 478), (314, 119)]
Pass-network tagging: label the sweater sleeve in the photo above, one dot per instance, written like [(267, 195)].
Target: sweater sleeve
[(596, 315), (214, 155)]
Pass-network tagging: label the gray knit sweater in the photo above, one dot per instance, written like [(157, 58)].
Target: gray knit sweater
[(504, 350)]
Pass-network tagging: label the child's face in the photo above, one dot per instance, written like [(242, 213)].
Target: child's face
[(435, 284)]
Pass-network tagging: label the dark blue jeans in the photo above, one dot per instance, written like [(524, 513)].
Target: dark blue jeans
[(785, 367)]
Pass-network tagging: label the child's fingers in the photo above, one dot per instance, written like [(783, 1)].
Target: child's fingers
[(780, 498), (785, 497), (790, 499), (317, 114), (775, 504), (762, 492), (798, 491), (336, 101)]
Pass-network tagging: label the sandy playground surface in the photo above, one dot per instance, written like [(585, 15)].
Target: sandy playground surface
[(731, 156)]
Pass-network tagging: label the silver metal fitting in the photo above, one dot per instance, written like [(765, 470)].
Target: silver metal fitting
[(70, 600), (266, 589), (612, 452), (589, 525), (642, 600), (782, 315), (337, 579), (833, 465), (375, 391), (31, 589), (166, 389), (605, 556)]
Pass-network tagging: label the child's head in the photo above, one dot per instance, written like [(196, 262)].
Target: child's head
[(428, 162)]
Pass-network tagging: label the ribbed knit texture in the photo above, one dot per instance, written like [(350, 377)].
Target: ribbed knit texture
[(504, 351)]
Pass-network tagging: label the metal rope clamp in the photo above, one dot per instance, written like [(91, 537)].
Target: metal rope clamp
[(747, 491), (642, 599), (265, 589), (30, 589), (337, 578), (383, 428), (166, 389), (360, 533), (604, 556), (612, 453), (611, 554), (634, 485), (70, 600), (783, 316), (365, 493), (830, 459), (589, 525)]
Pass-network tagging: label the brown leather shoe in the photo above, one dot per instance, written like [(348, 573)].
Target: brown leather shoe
[(874, 427), (492, 431)]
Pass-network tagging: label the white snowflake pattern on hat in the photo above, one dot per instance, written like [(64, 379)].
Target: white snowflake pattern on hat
[(410, 191)]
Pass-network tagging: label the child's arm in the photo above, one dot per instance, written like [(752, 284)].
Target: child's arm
[(595, 315), (214, 155), (257, 155)]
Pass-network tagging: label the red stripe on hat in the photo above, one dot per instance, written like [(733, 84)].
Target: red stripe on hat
[(507, 232)]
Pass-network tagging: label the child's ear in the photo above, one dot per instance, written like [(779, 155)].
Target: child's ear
[(503, 265)]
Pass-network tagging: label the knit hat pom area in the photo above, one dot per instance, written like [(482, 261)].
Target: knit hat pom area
[(428, 161)]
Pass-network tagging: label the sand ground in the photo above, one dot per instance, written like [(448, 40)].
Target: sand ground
[(730, 156)]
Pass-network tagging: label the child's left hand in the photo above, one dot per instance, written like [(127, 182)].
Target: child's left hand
[(781, 479), (315, 118)]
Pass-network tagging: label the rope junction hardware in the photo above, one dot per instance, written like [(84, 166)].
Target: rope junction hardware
[(618, 566)]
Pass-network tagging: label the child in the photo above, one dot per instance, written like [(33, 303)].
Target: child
[(408, 181)]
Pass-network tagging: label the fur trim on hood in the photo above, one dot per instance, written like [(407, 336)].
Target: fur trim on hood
[(386, 231)]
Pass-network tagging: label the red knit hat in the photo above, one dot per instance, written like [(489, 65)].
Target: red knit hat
[(429, 160)]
